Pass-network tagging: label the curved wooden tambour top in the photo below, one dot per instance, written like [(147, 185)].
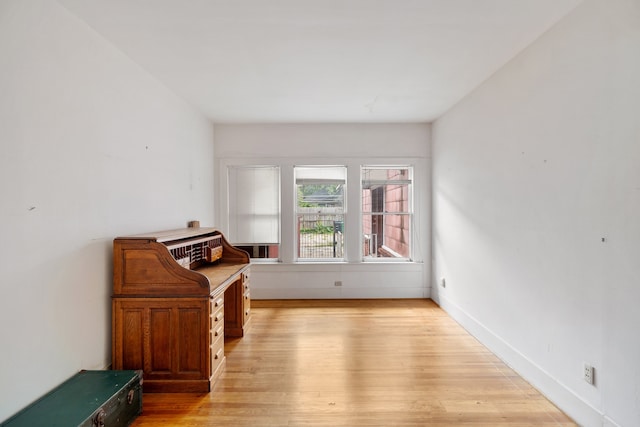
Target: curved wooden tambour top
[(143, 265)]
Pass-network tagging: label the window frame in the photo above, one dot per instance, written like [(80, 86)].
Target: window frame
[(278, 202), (297, 213), (410, 212), (353, 250)]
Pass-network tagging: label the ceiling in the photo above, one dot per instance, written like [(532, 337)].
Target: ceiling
[(321, 61)]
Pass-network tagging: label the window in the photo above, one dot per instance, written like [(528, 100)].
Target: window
[(318, 225), (254, 209), (320, 210), (386, 212)]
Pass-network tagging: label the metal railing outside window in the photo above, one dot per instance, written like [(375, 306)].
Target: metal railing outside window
[(320, 236)]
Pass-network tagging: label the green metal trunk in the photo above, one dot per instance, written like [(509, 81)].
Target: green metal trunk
[(88, 399)]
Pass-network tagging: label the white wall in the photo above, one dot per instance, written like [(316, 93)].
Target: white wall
[(531, 172), (333, 144), (92, 148)]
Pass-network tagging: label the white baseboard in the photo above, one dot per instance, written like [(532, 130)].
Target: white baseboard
[(608, 422), (338, 293), (559, 394)]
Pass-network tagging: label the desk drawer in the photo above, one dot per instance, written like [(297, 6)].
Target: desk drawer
[(217, 356), (217, 312), (246, 306)]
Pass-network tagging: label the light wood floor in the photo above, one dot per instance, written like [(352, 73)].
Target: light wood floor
[(357, 363)]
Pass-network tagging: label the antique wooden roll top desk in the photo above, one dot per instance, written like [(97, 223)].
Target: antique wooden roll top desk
[(176, 295)]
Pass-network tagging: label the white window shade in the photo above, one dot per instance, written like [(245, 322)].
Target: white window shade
[(254, 205), (320, 175)]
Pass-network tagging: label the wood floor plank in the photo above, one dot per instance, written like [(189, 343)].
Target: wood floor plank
[(357, 363)]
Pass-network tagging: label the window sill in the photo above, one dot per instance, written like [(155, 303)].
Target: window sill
[(337, 266)]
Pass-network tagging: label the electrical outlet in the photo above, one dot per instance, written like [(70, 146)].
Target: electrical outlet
[(589, 373), (443, 283), (337, 283)]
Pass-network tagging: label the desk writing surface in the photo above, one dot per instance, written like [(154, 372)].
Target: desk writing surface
[(223, 274)]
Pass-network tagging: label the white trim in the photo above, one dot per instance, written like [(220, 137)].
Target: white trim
[(608, 422), (567, 400), (420, 190)]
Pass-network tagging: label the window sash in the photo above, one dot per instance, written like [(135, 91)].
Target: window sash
[(387, 213), (318, 236), (254, 205)]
